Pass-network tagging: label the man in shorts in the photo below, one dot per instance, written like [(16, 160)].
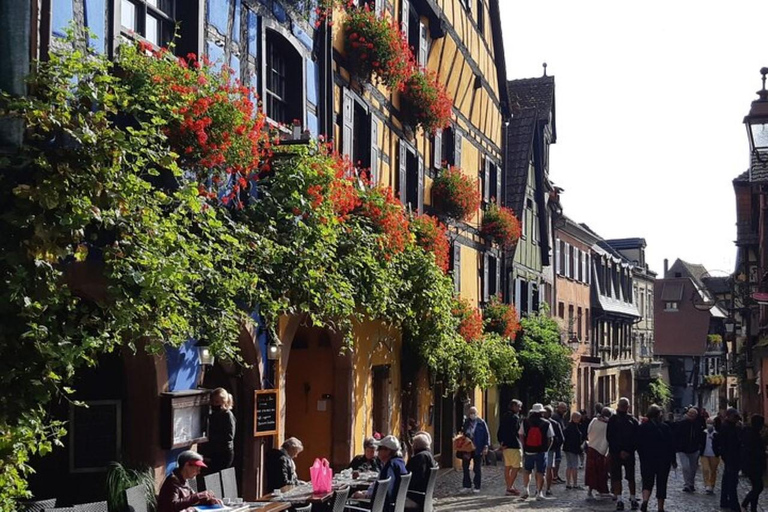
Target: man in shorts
[(622, 444), (536, 435), (509, 439), (555, 454)]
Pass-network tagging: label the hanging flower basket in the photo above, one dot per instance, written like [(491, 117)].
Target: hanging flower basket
[(713, 381), (470, 320), (425, 102), (714, 339), (456, 194), (374, 45), (432, 237), (501, 318), (501, 225)]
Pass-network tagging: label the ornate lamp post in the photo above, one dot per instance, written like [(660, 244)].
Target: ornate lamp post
[(757, 123)]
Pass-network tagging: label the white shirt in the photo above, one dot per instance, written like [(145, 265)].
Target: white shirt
[(550, 432), (708, 450), (597, 435)]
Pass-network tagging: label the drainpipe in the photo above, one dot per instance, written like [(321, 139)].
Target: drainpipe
[(15, 29)]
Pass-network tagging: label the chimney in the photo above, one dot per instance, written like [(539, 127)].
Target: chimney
[(666, 267)]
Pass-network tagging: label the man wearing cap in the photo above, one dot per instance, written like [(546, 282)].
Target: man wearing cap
[(367, 461), (175, 494), (393, 466), (536, 435)]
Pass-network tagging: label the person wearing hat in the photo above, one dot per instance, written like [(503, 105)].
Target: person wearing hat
[(176, 495), (729, 445), (367, 461), (536, 434), (393, 466)]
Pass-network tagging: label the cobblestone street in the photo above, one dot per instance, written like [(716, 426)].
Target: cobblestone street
[(449, 498)]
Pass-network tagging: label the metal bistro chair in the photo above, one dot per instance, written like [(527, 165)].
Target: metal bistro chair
[(229, 483), (307, 508), (37, 505), (417, 496), (379, 497), (212, 483), (96, 506), (59, 509), (136, 498), (340, 499), (402, 492)]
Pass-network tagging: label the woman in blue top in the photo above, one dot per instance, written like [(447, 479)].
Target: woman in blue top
[(477, 430), (393, 466)]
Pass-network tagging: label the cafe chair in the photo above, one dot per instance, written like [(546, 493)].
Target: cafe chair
[(59, 509), (228, 483), (379, 498), (136, 498), (37, 505), (97, 506), (212, 483), (307, 508), (425, 498), (340, 499), (402, 492)]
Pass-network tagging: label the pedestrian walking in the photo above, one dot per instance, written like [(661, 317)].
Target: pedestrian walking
[(689, 435), (622, 444), (728, 443), (753, 460), (560, 415), (656, 449), (536, 434), (584, 425), (710, 459), (596, 474), (555, 452), (475, 429), (573, 446), (509, 438)]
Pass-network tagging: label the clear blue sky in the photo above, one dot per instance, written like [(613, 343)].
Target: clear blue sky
[(650, 102)]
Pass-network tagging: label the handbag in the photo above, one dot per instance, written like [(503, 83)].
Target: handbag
[(462, 443), (321, 476)]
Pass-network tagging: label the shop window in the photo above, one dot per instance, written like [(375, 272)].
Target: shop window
[(284, 80), (153, 20)]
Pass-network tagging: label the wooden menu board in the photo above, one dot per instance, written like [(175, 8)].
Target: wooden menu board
[(266, 412)]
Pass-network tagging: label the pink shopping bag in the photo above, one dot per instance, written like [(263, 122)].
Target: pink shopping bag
[(321, 476)]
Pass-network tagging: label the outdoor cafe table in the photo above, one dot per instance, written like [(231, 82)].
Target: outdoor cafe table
[(292, 494), (260, 507), (363, 481)]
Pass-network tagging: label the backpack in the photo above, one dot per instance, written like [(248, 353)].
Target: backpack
[(534, 437)]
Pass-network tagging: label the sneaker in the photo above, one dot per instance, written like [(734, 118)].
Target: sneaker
[(540, 496), (634, 505), (578, 488), (466, 490), (476, 491), (619, 505), (568, 487), (549, 492), (524, 495), (687, 489), (644, 507)]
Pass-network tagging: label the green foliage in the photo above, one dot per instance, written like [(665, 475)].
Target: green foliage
[(120, 478), (659, 392), (546, 362)]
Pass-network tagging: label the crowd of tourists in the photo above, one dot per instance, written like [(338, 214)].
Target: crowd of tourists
[(609, 445)]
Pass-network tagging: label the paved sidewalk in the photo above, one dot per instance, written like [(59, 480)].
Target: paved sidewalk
[(449, 497)]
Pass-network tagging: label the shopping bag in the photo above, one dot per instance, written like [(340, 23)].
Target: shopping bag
[(462, 443), (321, 476)]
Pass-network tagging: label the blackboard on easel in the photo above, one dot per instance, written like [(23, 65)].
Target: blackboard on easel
[(266, 412)]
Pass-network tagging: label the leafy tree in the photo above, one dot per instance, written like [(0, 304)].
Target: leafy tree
[(659, 392), (546, 363)]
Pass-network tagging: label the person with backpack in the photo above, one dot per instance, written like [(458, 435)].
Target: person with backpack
[(596, 475), (622, 444), (536, 435), (656, 448), (573, 448), (555, 451), (753, 460)]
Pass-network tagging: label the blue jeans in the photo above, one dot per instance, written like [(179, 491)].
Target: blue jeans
[(729, 496), (477, 463)]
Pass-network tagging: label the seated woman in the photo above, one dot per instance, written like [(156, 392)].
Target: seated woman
[(175, 494), (367, 461), (393, 467), (420, 467), (281, 470)]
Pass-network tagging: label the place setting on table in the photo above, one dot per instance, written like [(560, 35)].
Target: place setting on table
[(354, 479)]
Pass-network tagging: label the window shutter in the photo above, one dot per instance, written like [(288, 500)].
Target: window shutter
[(379, 6), (518, 301), (457, 149), (567, 260), (558, 269), (589, 269), (423, 45), (486, 282), (421, 185), (486, 180), (348, 128), (457, 266), (403, 172), (498, 275), (404, 13), (437, 150), (499, 195), (375, 151)]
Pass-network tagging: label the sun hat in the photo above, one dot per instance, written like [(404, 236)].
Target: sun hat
[(537, 408), (390, 442), (190, 457)]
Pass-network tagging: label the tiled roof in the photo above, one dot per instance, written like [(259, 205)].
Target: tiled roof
[(626, 243), (520, 134), (717, 285), (758, 171), (742, 178), (538, 93), (692, 270), (618, 306)]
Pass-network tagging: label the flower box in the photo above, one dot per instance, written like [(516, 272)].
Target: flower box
[(455, 194), (425, 103), (501, 225)]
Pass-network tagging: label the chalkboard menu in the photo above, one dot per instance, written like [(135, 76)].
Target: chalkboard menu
[(184, 415), (94, 435), (266, 412)]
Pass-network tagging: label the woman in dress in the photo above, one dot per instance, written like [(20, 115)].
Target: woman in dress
[(596, 476)]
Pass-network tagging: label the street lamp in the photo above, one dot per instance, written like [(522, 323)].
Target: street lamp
[(204, 354), (730, 326), (757, 122), (273, 352)]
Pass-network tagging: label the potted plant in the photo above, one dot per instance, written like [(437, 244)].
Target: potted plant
[(431, 236), (714, 339), (425, 102), (470, 320), (456, 194), (120, 478), (501, 318), (501, 225)]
